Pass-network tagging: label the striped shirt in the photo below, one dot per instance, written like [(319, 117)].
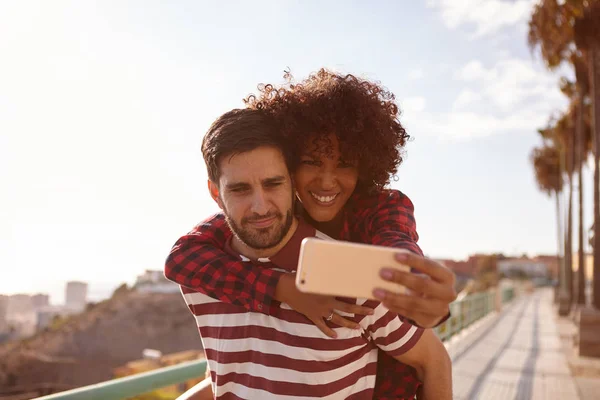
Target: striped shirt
[(283, 355)]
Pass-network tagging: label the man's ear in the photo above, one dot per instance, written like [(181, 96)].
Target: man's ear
[(214, 193)]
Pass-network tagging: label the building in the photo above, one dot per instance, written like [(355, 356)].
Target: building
[(551, 262), (523, 267), (20, 315), (76, 295), (154, 281), (19, 304), (462, 269), (40, 300)]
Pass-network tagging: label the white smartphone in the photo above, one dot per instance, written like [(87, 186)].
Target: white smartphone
[(345, 269)]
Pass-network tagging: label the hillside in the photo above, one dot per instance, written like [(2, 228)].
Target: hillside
[(85, 349)]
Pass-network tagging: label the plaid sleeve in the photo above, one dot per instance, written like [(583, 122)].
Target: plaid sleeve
[(389, 331), (389, 220), (198, 261)]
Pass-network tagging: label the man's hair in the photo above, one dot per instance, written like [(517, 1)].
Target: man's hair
[(238, 131)]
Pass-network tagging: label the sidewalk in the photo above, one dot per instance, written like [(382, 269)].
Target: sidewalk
[(516, 354), (585, 370)]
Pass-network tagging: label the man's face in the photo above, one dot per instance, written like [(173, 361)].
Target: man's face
[(256, 195)]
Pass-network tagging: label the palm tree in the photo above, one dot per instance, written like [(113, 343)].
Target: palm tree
[(577, 92), (562, 30), (587, 38), (565, 134), (550, 31), (546, 162), (552, 166)]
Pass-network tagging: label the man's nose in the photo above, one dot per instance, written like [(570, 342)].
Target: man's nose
[(260, 203)]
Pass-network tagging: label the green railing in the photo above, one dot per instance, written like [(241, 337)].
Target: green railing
[(133, 385), (470, 309), (464, 313)]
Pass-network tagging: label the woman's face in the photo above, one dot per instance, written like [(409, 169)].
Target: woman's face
[(324, 184)]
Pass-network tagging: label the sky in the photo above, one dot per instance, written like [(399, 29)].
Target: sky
[(103, 106)]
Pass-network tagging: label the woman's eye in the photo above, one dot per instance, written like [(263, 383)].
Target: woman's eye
[(310, 162), (343, 164)]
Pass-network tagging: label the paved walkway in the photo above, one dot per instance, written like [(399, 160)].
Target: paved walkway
[(513, 355)]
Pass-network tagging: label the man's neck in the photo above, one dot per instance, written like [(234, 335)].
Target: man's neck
[(255, 254)]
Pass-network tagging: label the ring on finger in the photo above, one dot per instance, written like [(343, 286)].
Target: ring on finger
[(330, 317)]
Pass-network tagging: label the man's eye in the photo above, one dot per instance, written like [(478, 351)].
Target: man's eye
[(273, 184), (239, 190)]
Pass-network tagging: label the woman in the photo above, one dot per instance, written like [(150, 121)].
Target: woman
[(345, 140)]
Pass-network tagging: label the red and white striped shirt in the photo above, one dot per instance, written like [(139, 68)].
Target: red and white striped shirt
[(284, 355)]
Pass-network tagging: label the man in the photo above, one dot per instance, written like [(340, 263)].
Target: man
[(283, 354)]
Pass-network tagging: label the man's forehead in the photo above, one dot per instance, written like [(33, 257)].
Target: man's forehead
[(257, 165)]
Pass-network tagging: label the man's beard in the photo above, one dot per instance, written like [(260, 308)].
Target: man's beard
[(261, 238)]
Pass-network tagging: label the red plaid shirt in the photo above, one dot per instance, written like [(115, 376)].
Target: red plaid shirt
[(197, 261)]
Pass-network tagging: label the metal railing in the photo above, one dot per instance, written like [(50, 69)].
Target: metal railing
[(463, 313), (133, 385)]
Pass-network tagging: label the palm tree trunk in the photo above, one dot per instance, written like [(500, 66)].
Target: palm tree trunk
[(595, 90), (569, 243), (559, 248), (564, 303), (579, 132)]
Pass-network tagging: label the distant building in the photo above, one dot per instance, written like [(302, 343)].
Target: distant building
[(40, 300), (20, 315), (76, 295), (19, 304), (462, 269), (551, 263), (523, 267), (154, 281)]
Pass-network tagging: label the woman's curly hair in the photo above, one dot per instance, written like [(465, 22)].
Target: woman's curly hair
[(362, 114)]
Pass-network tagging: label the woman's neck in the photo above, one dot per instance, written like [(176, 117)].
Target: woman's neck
[(331, 228)]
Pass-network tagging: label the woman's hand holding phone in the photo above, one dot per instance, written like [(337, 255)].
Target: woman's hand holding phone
[(431, 290)]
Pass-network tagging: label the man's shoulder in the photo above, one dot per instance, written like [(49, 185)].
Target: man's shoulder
[(214, 222), (214, 230)]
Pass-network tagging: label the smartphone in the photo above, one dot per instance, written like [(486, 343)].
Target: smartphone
[(345, 269)]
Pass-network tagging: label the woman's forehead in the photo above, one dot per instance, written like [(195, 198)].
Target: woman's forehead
[(321, 143), (327, 146)]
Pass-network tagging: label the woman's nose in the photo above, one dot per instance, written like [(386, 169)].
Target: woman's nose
[(328, 180)]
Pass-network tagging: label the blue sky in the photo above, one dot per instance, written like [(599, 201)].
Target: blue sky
[(103, 108)]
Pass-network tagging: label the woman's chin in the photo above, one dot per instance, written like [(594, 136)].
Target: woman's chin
[(322, 215)]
